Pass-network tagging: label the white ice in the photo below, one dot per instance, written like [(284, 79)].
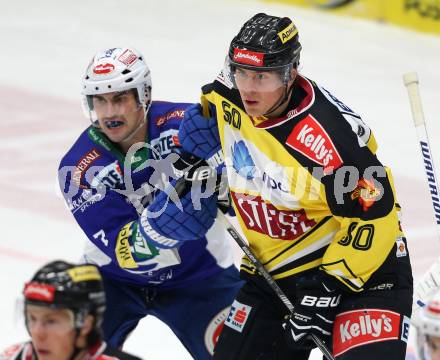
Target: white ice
[(46, 45)]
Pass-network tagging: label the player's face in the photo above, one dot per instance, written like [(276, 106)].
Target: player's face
[(259, 90), (433, 343), (52, 332), (119, 114)]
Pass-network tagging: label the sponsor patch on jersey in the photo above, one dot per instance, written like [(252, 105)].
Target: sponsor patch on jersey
[(176, 141), (289, 32), (176, 114), (41, 292), (163, 144), (310, 139), (83, 164), (142, 250), (84, 273), (366, 193), (406, 324), (242, 160), (238, 315), (110, 176), (401, 247), (123, 250), (263, 217), (103, 69), (248, 57), (364, 326), (83, 200), (362, 131), (214, 329), (128, 57)]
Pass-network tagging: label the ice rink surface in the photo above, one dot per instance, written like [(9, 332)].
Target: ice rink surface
[(46, 45)]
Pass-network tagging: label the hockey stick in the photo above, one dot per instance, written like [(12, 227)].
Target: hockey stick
[(271, 282), (430, 281)]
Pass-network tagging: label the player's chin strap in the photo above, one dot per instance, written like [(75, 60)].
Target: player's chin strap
[(282, 99), (79, 318), (76, 349), (142, 122)]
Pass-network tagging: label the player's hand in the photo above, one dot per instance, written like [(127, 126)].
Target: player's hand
[(199, 135), (315, 309)]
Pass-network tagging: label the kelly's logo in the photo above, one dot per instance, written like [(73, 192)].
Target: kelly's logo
[(364, 326), (310, 139)]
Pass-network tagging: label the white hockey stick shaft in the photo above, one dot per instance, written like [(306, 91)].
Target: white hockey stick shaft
[(430, 281), (412, 84)]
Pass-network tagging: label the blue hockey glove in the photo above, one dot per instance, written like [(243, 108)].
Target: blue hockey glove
[(314, 311), (199, 135), (186, 209)]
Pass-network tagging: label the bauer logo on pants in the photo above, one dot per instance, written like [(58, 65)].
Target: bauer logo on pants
[(238, 316), (364, 326)]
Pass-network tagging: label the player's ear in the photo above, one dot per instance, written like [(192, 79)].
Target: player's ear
[(85, 330), (293, 75)]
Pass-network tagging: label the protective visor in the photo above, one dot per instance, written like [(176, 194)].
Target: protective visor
[(246, 78), (50, 319), (111, 106)]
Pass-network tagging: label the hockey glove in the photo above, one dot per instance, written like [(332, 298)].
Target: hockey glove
[(199, 136), (314, 311), (186, 209)]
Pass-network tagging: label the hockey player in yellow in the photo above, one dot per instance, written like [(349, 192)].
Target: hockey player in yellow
[(317, 206)]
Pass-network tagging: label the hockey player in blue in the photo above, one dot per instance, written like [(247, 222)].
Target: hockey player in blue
[(153, 232)]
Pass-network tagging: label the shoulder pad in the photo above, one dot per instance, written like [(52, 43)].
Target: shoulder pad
[(206, 89)]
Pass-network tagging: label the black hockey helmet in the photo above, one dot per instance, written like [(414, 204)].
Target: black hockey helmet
[(78, 288), (266, 42)]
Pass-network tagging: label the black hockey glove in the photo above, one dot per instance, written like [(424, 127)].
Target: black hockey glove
[(315, 309)]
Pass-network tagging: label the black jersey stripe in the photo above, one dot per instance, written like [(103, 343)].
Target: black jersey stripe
[(316, 227), (317, 254)]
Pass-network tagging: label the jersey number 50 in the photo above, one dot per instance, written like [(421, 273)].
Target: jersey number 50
[(361, 239)]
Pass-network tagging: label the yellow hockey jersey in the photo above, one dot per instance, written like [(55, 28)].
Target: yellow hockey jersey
[(307, 188)]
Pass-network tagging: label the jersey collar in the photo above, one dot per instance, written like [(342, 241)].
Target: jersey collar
[(302, 82)]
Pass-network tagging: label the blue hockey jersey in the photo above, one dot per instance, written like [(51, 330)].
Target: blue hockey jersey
[(106, 190)]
